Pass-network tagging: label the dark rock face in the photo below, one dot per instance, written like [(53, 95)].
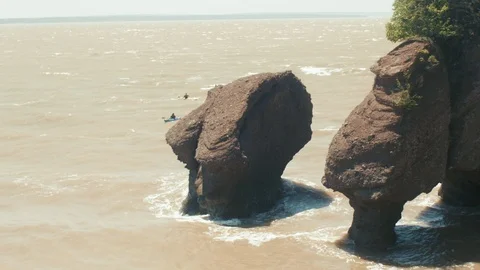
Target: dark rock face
[(390, 149), (462, 186), (238, 143)]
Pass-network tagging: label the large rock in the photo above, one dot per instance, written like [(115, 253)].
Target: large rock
[(462, 186), (393, 146), (238, 143)]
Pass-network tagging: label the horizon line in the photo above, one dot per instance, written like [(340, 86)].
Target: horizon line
[(243, 15)]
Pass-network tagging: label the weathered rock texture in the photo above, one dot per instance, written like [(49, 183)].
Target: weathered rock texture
[(389, 150), (462, 186), (238, 143)]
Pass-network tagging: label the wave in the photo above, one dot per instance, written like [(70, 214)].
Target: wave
[(208, 87), (194, 78), (324, 237), (32, 102), (320, 71), (323, 71), (328, 128), (40, 187), (58, 73), (172, 190), (301, 200)]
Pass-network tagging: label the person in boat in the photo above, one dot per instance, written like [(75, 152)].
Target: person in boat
[(185, 96), (173, 116)]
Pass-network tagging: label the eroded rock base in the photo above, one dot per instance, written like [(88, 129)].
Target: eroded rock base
[(374, 223), (191, 205)]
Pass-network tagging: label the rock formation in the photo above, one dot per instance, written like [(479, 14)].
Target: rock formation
[(393, 146), (462, 185), (238, 143)]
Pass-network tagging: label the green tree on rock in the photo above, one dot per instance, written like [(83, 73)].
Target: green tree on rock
[(441, 20), (453, 25)]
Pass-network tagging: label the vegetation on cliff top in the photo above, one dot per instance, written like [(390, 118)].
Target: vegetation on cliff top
[(453, 25), (440, 20)]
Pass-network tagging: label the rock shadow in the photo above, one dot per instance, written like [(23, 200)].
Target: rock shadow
[(450, 237), (297, 198)]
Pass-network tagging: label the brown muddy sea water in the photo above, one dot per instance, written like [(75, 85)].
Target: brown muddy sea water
[(88, 182)]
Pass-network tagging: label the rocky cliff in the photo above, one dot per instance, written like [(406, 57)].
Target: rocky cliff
[(462, 185)]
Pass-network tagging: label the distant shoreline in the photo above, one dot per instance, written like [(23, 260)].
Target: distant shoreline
[(158, 18)]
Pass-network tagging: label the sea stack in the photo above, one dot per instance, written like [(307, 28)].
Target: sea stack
[(394, 144), (237, 144)]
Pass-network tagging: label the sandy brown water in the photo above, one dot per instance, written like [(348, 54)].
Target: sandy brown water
[(88, 182)]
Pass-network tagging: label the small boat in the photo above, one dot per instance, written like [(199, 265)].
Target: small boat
[(171, 119), (182, 98)]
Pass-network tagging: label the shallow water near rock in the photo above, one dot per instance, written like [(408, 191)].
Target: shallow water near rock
[(88, 181)]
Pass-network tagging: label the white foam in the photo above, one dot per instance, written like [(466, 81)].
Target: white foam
[(172, 189), (320, 71), (469, 265), (259, 236), (109, 100), (194, 78), (24, 103), (206, 88), (58, 73), (40, 187), (328, 128), (233, 235), (328, 234), (424, 200), (381, 267), (338, 206), (144, 101)]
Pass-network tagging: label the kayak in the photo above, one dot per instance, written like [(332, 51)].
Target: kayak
[(171, 119), (182, 98)]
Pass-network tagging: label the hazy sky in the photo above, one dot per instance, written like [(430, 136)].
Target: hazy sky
[(49, 8)]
